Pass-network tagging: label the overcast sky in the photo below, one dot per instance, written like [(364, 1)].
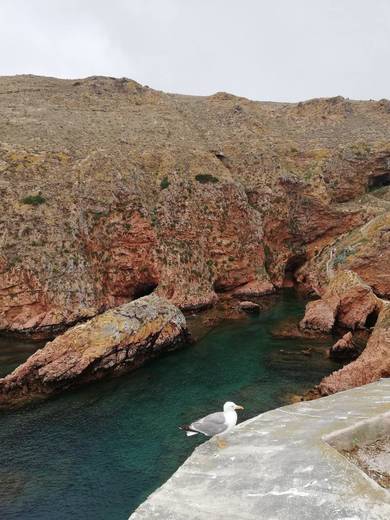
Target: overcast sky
[(282, 50)]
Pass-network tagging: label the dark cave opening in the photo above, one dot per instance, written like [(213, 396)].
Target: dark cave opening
[(292, 265), (378, 181), (371, 319), (144, 289)]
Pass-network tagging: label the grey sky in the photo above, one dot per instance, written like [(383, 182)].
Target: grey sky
[(263, 49)]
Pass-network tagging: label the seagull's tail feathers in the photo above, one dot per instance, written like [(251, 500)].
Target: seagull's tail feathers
[(187, 429)]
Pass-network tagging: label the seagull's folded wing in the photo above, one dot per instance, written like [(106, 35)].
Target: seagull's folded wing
[(210, 425)]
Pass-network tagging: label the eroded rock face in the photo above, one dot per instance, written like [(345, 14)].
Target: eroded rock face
[(371, 365), (114, 342), (364, 250), (347, 300), (110, 190)]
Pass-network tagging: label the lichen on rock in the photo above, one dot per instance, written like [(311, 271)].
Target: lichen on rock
[(112, 343)]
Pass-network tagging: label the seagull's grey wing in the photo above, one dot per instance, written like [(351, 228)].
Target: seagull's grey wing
[(210, 425)]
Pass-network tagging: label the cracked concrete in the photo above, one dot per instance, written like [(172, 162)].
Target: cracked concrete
[(279, 466)]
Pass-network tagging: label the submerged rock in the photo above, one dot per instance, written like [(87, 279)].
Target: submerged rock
[(114, 342), (251, 307)]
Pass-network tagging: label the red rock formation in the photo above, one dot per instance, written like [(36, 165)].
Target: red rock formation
[(114, 342), (320, 316), (347, 300), (371, 365), (344, 349), (129, 189)]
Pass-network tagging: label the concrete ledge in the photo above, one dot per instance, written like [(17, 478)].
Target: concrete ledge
[(281, 466), (363, 432)]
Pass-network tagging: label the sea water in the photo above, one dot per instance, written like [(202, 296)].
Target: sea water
[(97, 452)]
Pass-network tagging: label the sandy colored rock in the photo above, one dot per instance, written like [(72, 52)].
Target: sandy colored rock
[(114, 342)]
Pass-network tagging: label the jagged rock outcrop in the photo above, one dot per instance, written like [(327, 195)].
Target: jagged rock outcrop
[(344, 349), (352, 304), (348, 301), (110, 190), (114, 342), (371, 365)]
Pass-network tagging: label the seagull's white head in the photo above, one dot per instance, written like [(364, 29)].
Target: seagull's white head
[(230, 406)]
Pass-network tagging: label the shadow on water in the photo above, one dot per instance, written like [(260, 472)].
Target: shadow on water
[(97, 452)]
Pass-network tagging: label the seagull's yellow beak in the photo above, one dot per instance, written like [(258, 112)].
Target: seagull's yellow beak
[(238, 407)]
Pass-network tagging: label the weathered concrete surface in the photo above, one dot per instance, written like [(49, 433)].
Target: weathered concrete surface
[(279, 467)]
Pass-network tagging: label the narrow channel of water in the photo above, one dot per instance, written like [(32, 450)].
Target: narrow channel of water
[(97, 452)]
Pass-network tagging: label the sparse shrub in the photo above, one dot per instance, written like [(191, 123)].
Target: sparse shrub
[(34, 200), (99, 214), (164, 183), (154, 217), (205, 178)]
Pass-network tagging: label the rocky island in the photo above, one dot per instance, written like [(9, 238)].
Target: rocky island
[(111, 190)]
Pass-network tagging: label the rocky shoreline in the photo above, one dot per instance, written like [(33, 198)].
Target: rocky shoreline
[(350, 303), (111, 191)]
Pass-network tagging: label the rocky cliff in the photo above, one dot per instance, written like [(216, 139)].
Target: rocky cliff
[(110, 190)]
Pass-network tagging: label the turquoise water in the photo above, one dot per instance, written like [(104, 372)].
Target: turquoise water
[(97, 452)]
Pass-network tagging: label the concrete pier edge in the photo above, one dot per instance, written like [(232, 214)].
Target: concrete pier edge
[(281, 465)]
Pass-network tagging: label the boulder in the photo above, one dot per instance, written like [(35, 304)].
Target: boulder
[(255, 288), (344, 349), (250, 307), (347, 301), (319, 316), (111, 343)]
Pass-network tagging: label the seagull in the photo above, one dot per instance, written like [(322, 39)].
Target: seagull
[(215, 424)]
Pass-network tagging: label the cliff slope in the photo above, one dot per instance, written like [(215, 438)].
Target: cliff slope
[(110, 190)]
